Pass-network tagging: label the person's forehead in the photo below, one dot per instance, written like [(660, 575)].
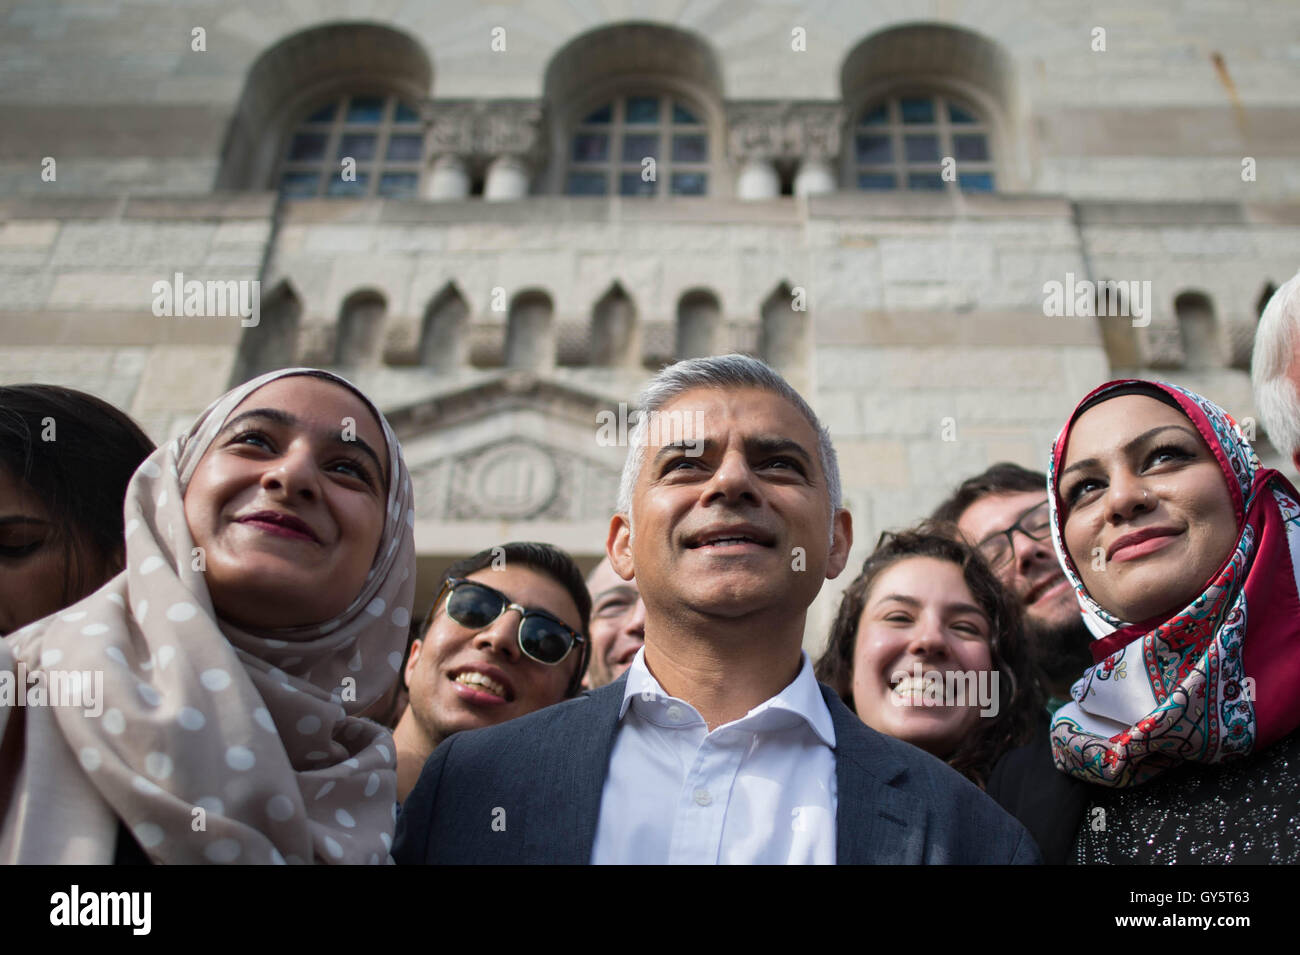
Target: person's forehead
[(311, 399), (1110, 425), (996, 512), (721, 410), (928, 579)]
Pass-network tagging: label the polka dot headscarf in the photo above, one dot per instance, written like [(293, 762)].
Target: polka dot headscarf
[(215, 744)]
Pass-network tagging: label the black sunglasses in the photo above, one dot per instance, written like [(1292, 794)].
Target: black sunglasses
[(542, 637)]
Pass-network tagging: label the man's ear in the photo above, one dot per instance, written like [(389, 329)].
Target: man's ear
[(618, 546), (411, 659), (841, 544)]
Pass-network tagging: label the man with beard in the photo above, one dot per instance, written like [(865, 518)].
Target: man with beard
[(1003, 513)]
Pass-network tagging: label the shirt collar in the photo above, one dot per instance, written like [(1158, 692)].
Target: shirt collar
[(802, 697)]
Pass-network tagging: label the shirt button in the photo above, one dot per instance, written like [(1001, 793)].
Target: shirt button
[(702, 797), (675, 713)]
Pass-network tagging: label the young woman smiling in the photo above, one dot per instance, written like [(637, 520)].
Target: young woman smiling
[(265, 602), (1180, 547), (926, 600)]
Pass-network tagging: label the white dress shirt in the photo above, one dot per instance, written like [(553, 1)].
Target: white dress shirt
[(759, 790)]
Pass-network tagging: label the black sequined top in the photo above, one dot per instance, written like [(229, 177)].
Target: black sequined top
[(1244, 812)]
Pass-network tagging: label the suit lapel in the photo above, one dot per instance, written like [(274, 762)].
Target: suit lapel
[(876, 822), (564, 805)]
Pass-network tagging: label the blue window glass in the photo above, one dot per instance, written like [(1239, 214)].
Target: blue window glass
[(692, 148), (873, 149), (876, 181), (925, 181), (683, 116), (323, 115), (976, 182), (398, 185), (957, 115), (360, 146), (308, 146), (917, 109), (365, 109), (642, 109), (587, 184), (921, 148), (638, 147), (690, 184), (878, 116), (404, 148), (591, 147), (298, 184), (631, 184), (338, 186), (404, 114), (971, 146)]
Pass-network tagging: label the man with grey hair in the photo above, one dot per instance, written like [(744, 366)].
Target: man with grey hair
[(717, 745), (1275, 369)]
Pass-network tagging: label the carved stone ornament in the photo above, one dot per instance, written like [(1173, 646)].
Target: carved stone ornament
[(485, 129), (784, 130)]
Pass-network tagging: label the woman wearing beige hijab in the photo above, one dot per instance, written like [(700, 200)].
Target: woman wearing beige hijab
[(265, 602)]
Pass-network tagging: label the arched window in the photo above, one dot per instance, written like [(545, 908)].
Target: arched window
[(613, 329), (901, 142), (442, 337), (382, 135), (698, 324), (611, 145), (1198, 330), (271, 343), (530, 333), (361, 327)]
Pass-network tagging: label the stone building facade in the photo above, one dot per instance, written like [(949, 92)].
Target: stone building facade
[(873, 198)]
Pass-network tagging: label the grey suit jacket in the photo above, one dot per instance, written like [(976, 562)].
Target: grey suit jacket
[(529, 791)]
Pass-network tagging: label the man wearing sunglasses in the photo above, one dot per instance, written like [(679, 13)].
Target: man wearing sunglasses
[(718, 745), (505, 636)]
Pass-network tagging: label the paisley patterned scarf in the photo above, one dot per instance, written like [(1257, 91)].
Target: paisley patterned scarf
[(1221, 677)]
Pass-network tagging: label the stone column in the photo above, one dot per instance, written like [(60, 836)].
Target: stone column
[(758, 180), (507, 178), (760, 135), (814, 178), (449, 179)]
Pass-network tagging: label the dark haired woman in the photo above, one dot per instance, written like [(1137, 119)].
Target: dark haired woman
[(270, 568), (1182, 550), (927, 647), (65, 460)]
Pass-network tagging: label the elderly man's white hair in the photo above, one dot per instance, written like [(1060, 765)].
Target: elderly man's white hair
[(1275, 342), (725, 372)]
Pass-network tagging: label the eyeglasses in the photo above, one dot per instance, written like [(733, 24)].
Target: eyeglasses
[(1000, 549), (542, 637)]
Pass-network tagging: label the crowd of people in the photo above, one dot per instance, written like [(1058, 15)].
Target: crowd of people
[(1098, 662)]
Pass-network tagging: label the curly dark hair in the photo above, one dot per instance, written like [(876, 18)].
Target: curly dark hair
[(1020, 695)]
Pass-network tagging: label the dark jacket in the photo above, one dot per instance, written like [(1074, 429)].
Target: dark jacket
[(529, 791)]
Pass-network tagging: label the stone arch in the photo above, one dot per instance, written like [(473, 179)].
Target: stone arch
[(273, 342), (361, 329), (530, 331), (783, 331), (935, 58), (302, 69), (443, 340), (615, 337), (614, 59), (699, 324), (1198, 330)]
